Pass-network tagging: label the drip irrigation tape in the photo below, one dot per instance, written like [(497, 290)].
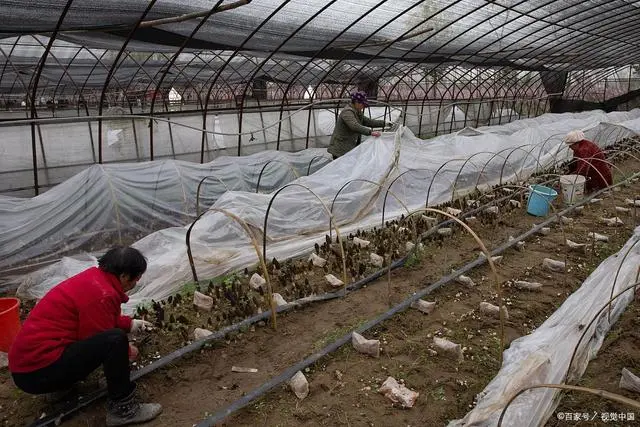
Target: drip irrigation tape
[(289, 372), (86, 400)]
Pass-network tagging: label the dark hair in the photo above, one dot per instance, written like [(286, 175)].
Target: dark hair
[(123, 260)]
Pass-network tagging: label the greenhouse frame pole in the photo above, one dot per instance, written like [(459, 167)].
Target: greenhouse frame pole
[(171, 63), (228, 61), (112, 70), (276, 50), (34, 92)]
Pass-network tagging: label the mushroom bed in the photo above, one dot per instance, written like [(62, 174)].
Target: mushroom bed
[(343, 387)]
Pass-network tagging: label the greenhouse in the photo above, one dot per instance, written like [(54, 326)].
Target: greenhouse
[(471, 259)]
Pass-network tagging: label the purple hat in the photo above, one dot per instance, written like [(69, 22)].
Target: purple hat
[(360, 97)]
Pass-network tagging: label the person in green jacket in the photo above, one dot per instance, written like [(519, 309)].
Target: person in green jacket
[(351, 125)]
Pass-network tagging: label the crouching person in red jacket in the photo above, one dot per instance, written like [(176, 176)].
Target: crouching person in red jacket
[(588, 161), (77, 327)]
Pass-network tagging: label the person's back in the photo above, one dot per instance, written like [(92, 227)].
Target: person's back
[(71, 311), (589, 161), (77, 327)]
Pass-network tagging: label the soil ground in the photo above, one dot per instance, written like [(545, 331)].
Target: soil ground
[(202, 383), (619, 350)]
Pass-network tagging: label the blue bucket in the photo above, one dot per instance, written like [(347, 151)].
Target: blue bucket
[(540, 197)]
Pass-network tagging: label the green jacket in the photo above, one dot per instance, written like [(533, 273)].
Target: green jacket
[(351, 124)]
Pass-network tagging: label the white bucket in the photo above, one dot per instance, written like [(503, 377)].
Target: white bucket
[(572, 188)]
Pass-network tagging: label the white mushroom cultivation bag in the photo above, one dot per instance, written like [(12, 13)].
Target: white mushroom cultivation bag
[(297, 219), (543, 356)]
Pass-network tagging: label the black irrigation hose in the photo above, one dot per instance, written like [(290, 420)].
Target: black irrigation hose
[(289, 372), (84, 401)]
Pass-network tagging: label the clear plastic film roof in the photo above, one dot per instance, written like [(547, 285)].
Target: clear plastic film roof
[(305, 42), (546, 34)]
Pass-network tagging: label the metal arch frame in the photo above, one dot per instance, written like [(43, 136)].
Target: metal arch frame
[(615, 279), (426, 203), (200, 185), (328, 45), (8, 60), (409, 51), (436, 88), (595, 318), (595, 79), (86, 106), (250, 234), (576, 84), (190, 83), (614, 129), (35, 82), (384, 201), (313, 158), (231, 57), (66, 71), (504, 163), (225, 83), (151, 80), (291, 168), (346, 184), (187, 83), (95, 65), (261, 65), (340, 61), (324, 206), (18, 75), (528, 154), (481, 171), (144, 70), (462, 61), (543, 143), (126, 90), (568, 39), (170, 64), (112, 69)]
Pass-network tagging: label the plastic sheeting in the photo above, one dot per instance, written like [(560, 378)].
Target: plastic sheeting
[(535, 33), (67, 149), (106, 204), (442, 166), (543, 357)]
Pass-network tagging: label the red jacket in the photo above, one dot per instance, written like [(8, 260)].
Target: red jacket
[(78, 308), (589, 161)]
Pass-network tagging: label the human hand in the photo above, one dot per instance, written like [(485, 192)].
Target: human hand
[(138, 326), (375, 133), (133, 352)]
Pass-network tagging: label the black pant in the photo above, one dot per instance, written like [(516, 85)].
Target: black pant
[(109, 349)]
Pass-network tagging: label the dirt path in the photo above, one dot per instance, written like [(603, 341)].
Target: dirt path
[(202, 383)]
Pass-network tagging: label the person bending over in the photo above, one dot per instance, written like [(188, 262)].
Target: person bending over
[(588, 161), (351, 125), (78, 326)]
